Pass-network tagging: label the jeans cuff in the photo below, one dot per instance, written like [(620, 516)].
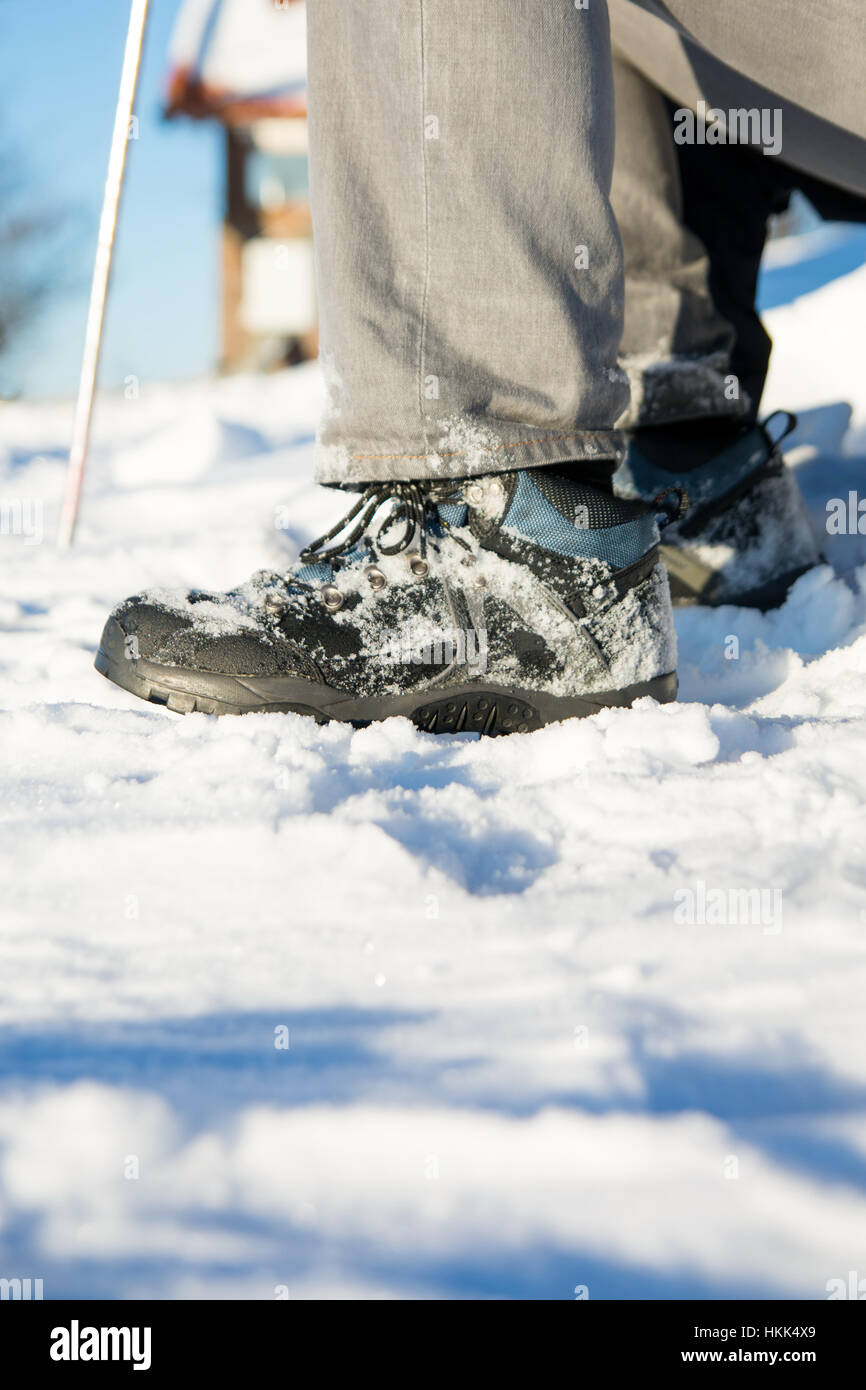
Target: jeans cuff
[(473, 447)]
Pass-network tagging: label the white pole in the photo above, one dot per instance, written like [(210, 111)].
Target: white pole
[(101, 270)]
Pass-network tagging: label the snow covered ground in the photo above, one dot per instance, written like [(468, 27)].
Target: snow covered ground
[(288, 1010)]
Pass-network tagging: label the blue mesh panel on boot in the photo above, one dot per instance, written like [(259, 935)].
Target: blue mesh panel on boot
[(453, 513), (533, 517), (320, 573)]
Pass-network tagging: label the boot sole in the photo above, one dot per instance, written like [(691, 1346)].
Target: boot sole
[(480, 706)]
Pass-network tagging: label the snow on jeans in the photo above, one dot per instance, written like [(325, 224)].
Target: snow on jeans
[(470, 264)]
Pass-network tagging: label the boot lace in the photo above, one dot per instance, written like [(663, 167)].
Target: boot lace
[(412, 502)]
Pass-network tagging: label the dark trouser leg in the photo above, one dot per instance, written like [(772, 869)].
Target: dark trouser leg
[(676, 343)]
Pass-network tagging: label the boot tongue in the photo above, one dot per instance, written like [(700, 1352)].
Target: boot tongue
[(452, 513)]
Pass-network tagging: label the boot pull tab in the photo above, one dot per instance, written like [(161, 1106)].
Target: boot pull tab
[(673, 509), (790, 425)]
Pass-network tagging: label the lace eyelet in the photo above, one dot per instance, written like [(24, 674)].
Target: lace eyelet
[(375, 577), (417, 564), (275, 602), (332, 598)]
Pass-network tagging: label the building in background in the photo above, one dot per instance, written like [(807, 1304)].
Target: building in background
[(243, 63)]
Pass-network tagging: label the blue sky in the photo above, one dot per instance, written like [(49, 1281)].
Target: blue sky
[(62, 63)]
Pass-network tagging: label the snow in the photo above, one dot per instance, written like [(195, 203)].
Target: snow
[(290, 1010)]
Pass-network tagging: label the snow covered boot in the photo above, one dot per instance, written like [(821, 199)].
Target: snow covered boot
[(497, 604), (745, 536)]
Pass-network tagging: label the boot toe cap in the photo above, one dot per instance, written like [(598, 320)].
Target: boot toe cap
[(200, 631)]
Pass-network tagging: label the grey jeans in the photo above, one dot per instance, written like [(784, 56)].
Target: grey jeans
[(469, 227)]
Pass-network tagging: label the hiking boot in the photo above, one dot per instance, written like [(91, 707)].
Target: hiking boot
[(745, 536), (496, 604)]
